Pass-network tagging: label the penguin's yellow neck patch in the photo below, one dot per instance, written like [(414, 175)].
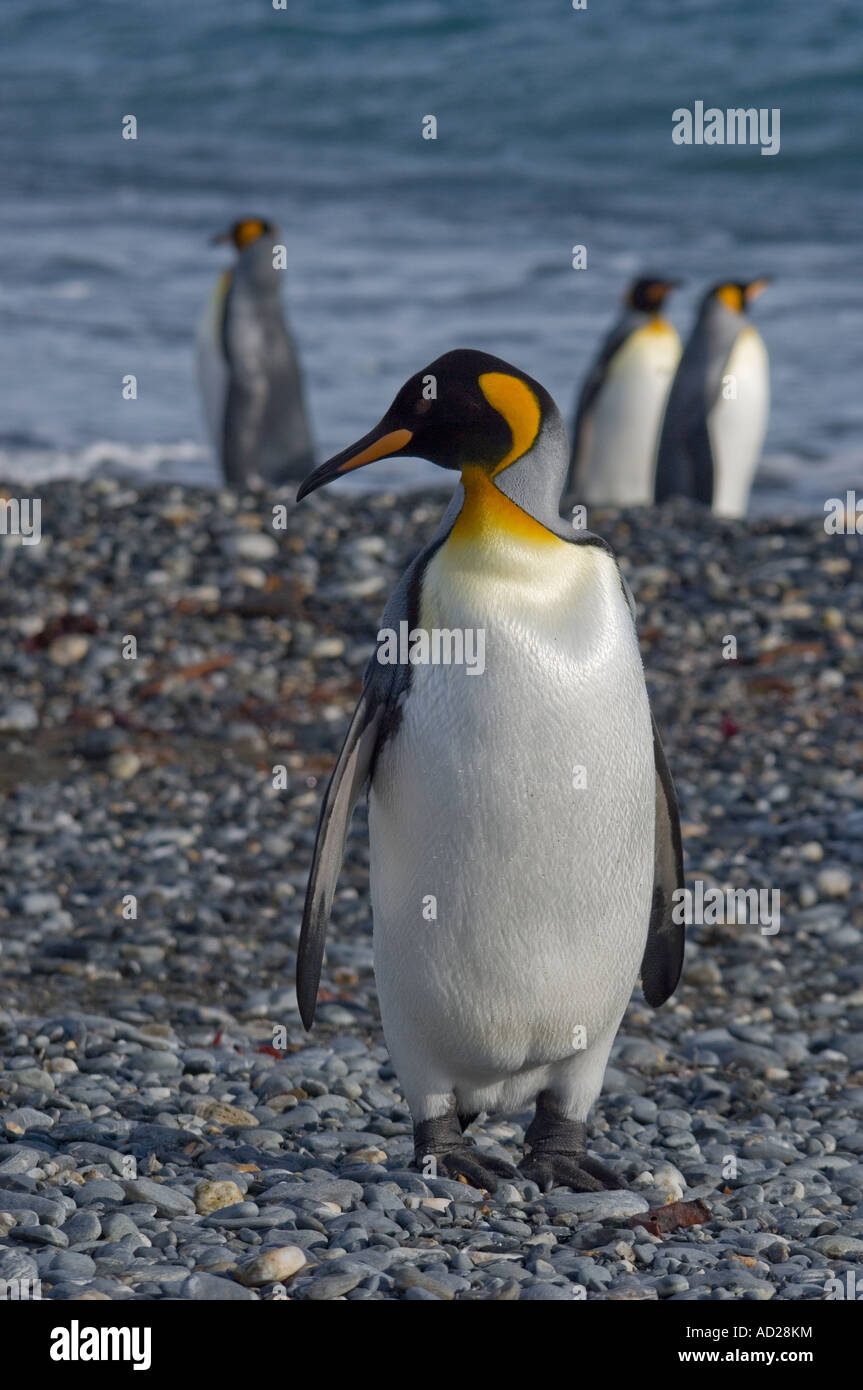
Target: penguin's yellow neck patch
[(489, 518), (513, 399)]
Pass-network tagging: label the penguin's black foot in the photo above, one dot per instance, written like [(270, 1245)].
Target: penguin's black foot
[(480, 1169), (575, 1170), (454, 1156), (556, 1155)]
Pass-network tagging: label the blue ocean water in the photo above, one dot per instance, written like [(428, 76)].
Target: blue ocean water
[(554, 129)]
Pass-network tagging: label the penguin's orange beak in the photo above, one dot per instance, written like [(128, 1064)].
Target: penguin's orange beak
[(379, 443), (755, 288)]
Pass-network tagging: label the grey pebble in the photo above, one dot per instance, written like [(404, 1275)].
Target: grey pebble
[(83, 1226), (167, 1201), (40, 1235), (329, 1286), (204, 1287)]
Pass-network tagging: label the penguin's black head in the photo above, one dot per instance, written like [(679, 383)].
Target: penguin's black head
[(464, 409), (737, 295), (649, 294), (244, 232)]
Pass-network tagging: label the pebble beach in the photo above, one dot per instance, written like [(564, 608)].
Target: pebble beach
[(168, 1130)]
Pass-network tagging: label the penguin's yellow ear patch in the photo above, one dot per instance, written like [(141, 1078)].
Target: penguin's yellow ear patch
[(513, 399), (732, 297), (247, 232)]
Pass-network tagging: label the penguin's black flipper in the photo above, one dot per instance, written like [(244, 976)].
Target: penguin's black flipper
[(245, 404), (701, 455), (349, 776), (375, 718), (684, 434), (663, 955), (587, 398)]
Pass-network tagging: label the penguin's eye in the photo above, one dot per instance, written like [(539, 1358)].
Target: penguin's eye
[(422, 407)]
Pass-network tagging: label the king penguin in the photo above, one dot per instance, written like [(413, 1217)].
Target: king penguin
[(248, 369), (716, 416), (525, 841), (620, 405)]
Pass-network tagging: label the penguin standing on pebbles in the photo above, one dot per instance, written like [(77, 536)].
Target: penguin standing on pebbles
[(716, 416), (620, 405), (525, 841), (248, 369)]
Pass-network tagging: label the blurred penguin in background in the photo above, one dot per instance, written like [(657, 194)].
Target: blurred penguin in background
[(248, 370), (620, 407), (717, 411)]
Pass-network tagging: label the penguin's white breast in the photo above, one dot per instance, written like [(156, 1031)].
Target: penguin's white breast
[(517, 806), (737, 422), (627, 416)]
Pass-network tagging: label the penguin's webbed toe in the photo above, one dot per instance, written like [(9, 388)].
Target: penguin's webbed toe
[(481, 1169), (575, 1170)]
